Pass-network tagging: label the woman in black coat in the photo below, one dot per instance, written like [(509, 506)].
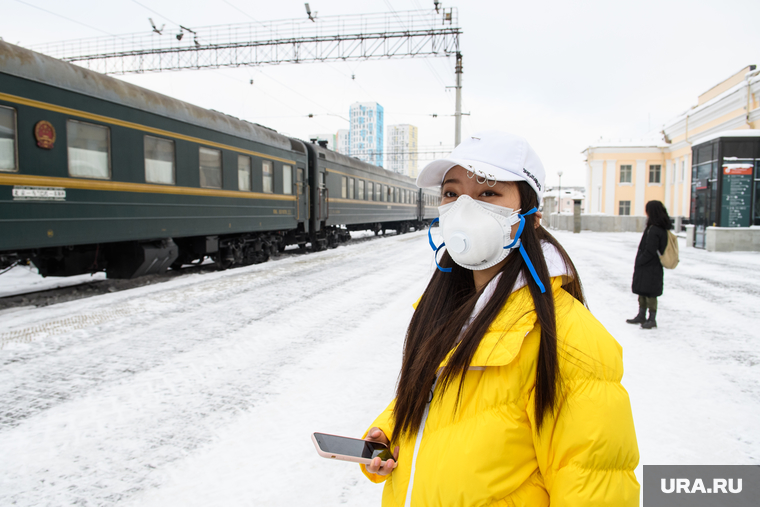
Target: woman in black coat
[(647, 270)]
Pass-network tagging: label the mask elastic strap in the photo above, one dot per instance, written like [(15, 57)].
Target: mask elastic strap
[(436, 248), (524, 254)]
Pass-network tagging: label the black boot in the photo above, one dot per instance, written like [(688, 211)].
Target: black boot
[(640, 318), (650, 322)]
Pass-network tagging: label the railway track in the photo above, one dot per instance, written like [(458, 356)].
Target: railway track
[(87, 289)]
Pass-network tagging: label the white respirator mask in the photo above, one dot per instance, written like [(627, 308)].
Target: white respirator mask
[(478, 235), (475, 232)]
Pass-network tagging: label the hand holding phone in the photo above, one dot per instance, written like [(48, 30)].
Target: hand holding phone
[(366, 452), (378, 467)]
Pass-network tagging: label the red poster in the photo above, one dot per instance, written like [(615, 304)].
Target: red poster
[(738, 169)]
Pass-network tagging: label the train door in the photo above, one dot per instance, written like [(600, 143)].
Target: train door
[(323, 196), (701, 212), (302, 209)]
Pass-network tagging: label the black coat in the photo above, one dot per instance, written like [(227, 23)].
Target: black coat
[(647, 270)]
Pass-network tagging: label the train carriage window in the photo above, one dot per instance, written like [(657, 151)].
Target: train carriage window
[(370, 191), (88, 149), (159, 160), (244, 173), (378, 192), (299, 181), (360, 190), (351, 188), (287, 179), (8, 139), (343, 186), (210, 167), (266, 176)]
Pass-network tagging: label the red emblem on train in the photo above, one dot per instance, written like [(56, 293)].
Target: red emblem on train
[(45, 134)]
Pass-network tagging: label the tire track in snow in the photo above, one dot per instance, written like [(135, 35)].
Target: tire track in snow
[(92, 419)]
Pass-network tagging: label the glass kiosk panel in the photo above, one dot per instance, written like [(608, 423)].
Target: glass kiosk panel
[(703, 191), (756, 220)]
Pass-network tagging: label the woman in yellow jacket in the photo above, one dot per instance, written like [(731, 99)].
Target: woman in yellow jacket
[(509, 392)]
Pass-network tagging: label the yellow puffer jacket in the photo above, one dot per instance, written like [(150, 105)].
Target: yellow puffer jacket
[(489, 453)]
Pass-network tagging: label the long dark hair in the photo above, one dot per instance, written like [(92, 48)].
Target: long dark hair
[(658, 215), (445, 307)]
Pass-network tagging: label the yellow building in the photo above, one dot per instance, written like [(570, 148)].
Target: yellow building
[(621, 177)]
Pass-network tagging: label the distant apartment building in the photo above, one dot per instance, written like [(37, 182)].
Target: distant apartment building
[(344, 145), (401, 152), (366, 133)]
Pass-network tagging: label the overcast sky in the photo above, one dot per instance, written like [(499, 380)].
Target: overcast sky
[(560, 73)]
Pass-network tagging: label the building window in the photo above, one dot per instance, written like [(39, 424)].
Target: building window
[(625, 173), (343, 186), (159, 160), (244, 173), (88, 148), (287, 179), (624, 208), (350, 188), (8, 139), (266, 176), (654, 173), (210, 167), (360, 189)]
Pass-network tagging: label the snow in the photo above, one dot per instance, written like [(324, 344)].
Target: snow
[(25, 279), (204, 390)]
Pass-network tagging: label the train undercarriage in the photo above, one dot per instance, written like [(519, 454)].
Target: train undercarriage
[(131, 259)]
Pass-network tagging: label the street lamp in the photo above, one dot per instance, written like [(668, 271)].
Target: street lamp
[(559, 193)]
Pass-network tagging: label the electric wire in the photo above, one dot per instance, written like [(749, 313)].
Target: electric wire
[(244, 13), (294, 91), (156, 13), (429, 65), (259, 90), (67, 19)]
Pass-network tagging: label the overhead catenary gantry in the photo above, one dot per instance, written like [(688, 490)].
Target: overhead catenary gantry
[(408, 34)]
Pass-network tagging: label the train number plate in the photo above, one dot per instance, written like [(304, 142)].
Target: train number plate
[(39, 193)]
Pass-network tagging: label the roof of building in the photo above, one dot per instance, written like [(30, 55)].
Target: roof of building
[(650, 141), (732, 133)]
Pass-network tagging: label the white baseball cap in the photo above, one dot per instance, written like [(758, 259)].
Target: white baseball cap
[(491, 155)]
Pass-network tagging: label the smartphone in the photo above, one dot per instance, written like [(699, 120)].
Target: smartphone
[(350, 449)]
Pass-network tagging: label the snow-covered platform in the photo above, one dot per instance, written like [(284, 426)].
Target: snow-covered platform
[(203, 390)]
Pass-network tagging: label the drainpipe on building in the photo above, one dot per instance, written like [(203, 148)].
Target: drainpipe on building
[(747, 77)]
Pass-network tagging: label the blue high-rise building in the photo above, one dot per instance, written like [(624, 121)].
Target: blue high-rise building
[(365, 136)]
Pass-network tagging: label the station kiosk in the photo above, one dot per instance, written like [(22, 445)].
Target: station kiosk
[(725, 182)]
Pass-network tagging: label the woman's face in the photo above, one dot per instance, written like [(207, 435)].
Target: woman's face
[(456, 183)]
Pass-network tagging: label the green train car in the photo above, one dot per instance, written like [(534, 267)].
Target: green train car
[(98, 174)]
